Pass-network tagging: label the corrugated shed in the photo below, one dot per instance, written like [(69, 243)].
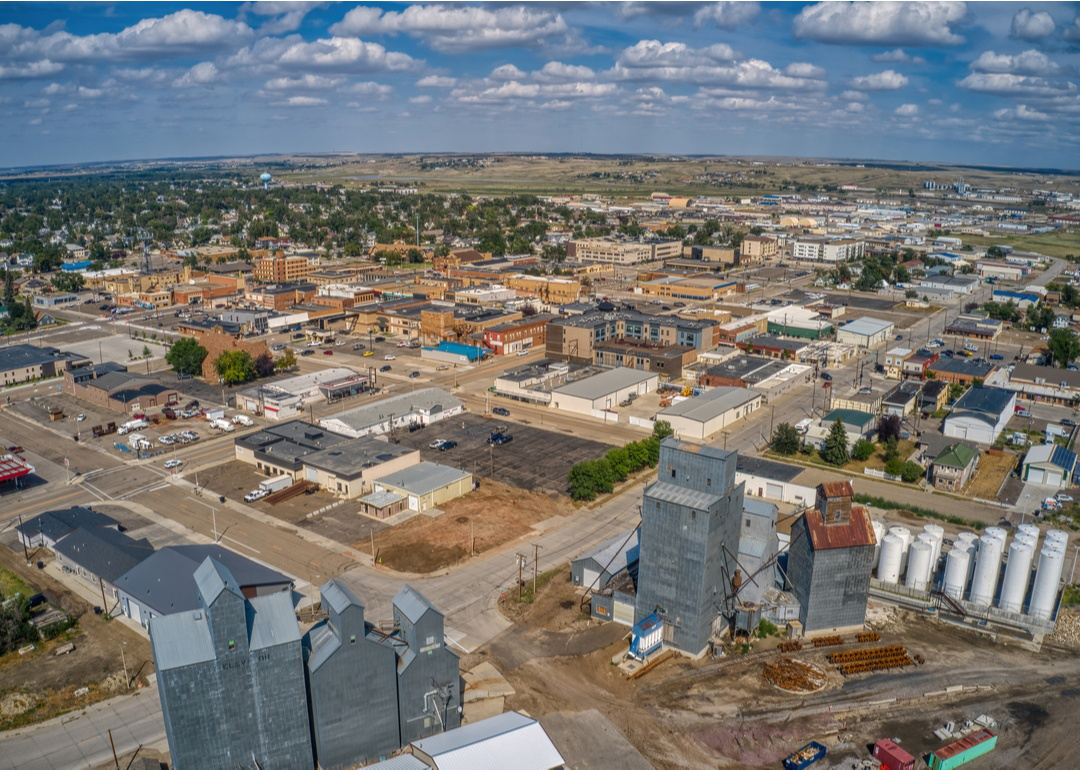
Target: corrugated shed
[(181, 640), (858, 531), (271, 621), (837, 489), (669, 493), (509, 740), (959, 746), (618, 553)]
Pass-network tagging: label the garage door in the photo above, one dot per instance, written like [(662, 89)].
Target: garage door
[(588, 576), (1035, 475), (774, 491), (624, 613), (1053, 478)]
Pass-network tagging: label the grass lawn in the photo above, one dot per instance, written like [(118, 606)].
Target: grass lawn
[(1056, 244), (10, 584), (876, 461)]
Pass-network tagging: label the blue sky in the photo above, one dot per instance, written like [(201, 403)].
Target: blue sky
[(993, 83)]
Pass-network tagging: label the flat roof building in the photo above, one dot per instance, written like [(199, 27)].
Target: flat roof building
[(701, 416), (603, 391), (424, 406), (865, 332)]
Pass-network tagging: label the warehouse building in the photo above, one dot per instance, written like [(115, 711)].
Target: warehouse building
[(1050, 465), (829, 561), (508, 740), (421, 487), (230, 677), (771, 480), (980, 415), (424, 406), (865, 332), (287, 398), (46, 529), (100, 556), (111, 386), (701, 416), (603, 391)]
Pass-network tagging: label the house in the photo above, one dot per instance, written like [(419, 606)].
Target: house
[(865, 332), (980, 415), (1050, 465), (953, 468), (702, 416), (101, 555), (856, 424), (46, 529), (902, 399), (934, 396), (894, 362)]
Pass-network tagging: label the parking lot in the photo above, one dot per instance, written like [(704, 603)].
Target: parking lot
[(535, 459)]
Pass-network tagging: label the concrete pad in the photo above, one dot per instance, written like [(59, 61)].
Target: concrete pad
[(589, 741), (482, 709), (485, 681)]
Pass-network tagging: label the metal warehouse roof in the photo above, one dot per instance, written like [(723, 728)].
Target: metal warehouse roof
[(181, 640), (338, 596), (55, 524), (769, 469), (427, 400), (605, 383), (1052, 454), (691, 498), (404, 762), (509, 740), (867, 326), (991, 401), (422, 478), (711, 404), (102, 551), (618, 553)]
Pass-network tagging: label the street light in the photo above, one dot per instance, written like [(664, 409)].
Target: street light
[(1027, 498)]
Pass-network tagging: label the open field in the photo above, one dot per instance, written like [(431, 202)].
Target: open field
[(992, 470), (1056, 244)]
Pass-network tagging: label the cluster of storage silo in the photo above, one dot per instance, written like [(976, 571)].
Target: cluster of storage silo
[(985, 570)]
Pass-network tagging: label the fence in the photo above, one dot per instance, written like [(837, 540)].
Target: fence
[(881, 474), (641, 422)]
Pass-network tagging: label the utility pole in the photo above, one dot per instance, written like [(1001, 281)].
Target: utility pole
[(772, 419), (104, 603), (22, 539), (213, 513), (111, 743), (123, 659), (536, 563), (521, 564)]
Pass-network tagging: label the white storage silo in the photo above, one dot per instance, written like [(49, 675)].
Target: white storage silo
[(932, 540), (918, 566), (892, 550), (997, 532), (879, 532), (1017, 575), (938, 534), (1057, 536), (1029, 529), (1030, 539), (987, 569), (907, 539), (971, 539), (956, 569), (1047, 576)]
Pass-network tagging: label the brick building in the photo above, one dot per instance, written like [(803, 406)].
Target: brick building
[(514, 336), (281, 269), (218, 341)]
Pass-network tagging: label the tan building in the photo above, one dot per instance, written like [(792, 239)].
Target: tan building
[(615, 252), (281, 269), (695, 288), (556, 291), (459, 257), (758, 248), (216, 342), (719, 254)]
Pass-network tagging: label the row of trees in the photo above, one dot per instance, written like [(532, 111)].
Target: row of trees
[(835, 450), (233, 367), (591, 478)]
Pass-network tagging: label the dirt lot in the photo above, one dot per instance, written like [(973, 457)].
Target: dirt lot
[(39, 686), (489, 516), (556, 607), (723, 714), (992, 470), (527, 462)]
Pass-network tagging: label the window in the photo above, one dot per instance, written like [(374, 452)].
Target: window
[(232, 645), (352, 639), (708, 482), (747, 525), (672, 473)]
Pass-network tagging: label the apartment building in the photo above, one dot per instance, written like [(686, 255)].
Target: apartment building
[(575, 338), (619, 252), (755, 249), (281, 269), (825, 250)]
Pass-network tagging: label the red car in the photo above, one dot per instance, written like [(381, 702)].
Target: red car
[(328, 352), (18, 450)]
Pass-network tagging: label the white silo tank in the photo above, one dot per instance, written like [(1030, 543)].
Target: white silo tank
[(938, 534), (892, 551), (997, 532), (1017, 575), (1047, 576), (956, 569), (879, 532), (1029, 529), (934, 541), (987, 569), (918, 566), (907, 539), (1057, 536)]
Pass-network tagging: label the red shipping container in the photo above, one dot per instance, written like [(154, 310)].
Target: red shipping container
[(892, 756)]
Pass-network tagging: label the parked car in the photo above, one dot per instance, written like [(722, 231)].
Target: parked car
[(413, 375), (170, 464), (498, 439), (436, 443), (522, 353), (15, 450), (441, 368), (385, 368), (328, 352), (501, 411), (359, 346), (368, 353), (255, 494), (996, 357), (1068, 423), (307, 352), (279, 346), (380, 339), (389, 357), (1061, 497), (826, 376), (447, 445)]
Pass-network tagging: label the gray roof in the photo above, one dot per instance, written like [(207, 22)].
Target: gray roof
[(412, 604), (769, 469), (104, 552), (404, 762), (23, 356), (669, 493), (55, 524), (965, 366), (338, 596), (867, 326), (181, 640), (165, 581), (290, 442), (711, 404), (211, 578), (604, 383), (350, 459), (422, 478), (271, 621), (989, 401), (759, 508), (423, 400), (382, 499), (509, 740), (616, 554)]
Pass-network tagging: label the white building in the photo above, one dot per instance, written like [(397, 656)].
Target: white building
[(421, 407), (603, 391), (980, 415), (285, 399), (1000, 271), (865, 332), (824, 250), (701, 416)]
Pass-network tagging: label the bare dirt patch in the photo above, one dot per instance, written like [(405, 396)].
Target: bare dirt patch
[(487, 518), (992, 470), (556, 606)]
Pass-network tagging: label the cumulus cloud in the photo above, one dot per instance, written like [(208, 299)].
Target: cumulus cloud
[(507, 72), (337, 54), (1008, 84), (855, 107), (514, 90), (37, 69), (369, 89), (726, 15), (653, 53), (898, 55), (307, 82), (1031, 25), (436, 81), (854, 96), (882, 23), (283, 16), (557, 70), (907, 110), (202, 74), (302, 101), (459, 28), (801, 69), (1072, 32), (1030, 62), (1022, 112), (422, 99), (889, 80)]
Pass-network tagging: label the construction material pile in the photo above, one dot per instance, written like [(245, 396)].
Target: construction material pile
[(874, 659), (795, 675)]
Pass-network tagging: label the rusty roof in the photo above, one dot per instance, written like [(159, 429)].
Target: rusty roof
[(858, 531), (837, 489), (963, 744)]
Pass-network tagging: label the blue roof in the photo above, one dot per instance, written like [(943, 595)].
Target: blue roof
[(74, 267), (472, 352)]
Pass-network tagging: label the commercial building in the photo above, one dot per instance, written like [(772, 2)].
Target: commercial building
[(47, 529), (533, 382), (962, 371), (282, 269), (421, 487), (1000, 271), (975, 326), (164, 582), (829, 561), (548, 289), (24, 363), (894, 362), (1047, 384), (755, 249), (696, 288), (865, 332), (798, 321), (112, 387), (980, 415), (603, 391), (701, 416), (669, 360), (1050, 465), (507, 740), (100, 556), (230, 676), (690, 519), (13, 469), (901, 400), (425, 406), (626, 252), (217, 341), (774, 481), (574, 338), (513, 337), (948, 284), (953, 467), (288, 398), (597, 567), (825, 250)]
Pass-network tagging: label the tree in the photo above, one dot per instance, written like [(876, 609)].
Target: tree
[(888, 427), (9, 289), (910, 472), (619, 460), (186, 356), (785, 439), (894, 466), (863, 450), (69, 282), (146, 351), (286, 362), (835, 451), (528, 309), (235, 366), (661, 429), (264, 364), (1064, 347), (590, 478), (995, 251)]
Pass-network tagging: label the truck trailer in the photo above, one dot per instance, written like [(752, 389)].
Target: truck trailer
[(276, 484)]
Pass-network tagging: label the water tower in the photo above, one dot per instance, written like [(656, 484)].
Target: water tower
[(265, 179)]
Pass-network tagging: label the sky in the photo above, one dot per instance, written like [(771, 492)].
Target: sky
[(982, 83)]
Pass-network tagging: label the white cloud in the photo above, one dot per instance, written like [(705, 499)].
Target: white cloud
[(1022, 112), (889, 80), (302, 101), (1072, 32), (459, 28), (556, 105), (854, 96), (307, 82), (514, 90), (37, 69), (1031, 25), (202, 74), (285, 16), (422, 99), (556, 70), (36, 104), (369, 89), (855, 107), (898, 55), (804, 70), (1029, 62), (907, 110), (883, 23), (436, 81), (653, 53), (507, 72), (726, 15), (335, 54), (1007, 84)]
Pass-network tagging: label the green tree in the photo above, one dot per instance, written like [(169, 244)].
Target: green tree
[(264, 364), (590, 478), (69, 282), (785, 439), (910, 472), (894, 466), (863, 450), (835, 450), (9, 289), (888, 427), (286, 362), (1064, 347), (186, 356), (235, 366), (619, 459), (661, 429)]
